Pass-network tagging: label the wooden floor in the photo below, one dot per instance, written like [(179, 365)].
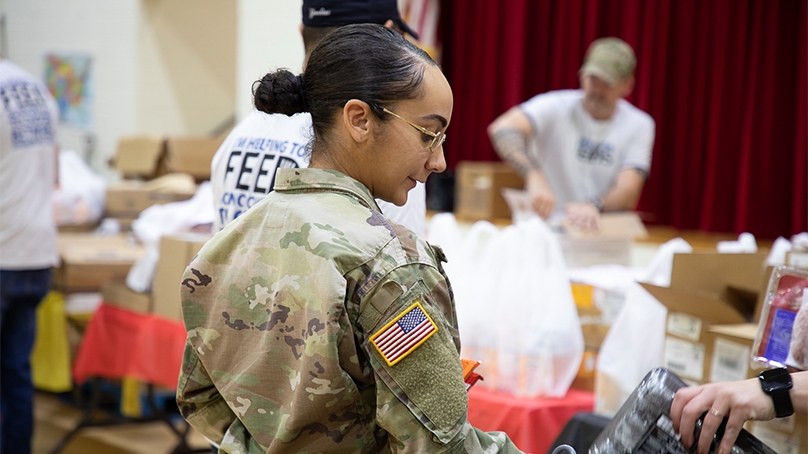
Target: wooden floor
[(54, 418)]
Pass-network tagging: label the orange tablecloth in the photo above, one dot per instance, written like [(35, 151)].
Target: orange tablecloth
[(532, 424), (119, 343)]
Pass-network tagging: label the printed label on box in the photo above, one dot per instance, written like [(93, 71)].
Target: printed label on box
[(610, 302), (730, 361), (685, 326), (780, 336), (781, 443), (684, 358)]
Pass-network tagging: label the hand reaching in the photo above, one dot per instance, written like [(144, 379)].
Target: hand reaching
[(738, 401)]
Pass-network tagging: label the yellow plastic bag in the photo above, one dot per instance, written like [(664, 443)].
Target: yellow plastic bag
[(50, 359)]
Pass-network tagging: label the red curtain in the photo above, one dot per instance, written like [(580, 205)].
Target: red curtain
[(725, 80)]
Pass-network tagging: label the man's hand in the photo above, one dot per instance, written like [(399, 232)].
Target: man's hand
[(542, 198), (584, 216)]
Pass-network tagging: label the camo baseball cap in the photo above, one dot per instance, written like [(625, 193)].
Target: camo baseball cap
[(610, 59)]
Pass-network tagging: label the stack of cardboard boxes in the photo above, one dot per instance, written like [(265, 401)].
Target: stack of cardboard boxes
[(88, 261), (157, 171)]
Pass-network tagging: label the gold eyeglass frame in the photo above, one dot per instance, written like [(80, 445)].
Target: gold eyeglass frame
[(437, 138)]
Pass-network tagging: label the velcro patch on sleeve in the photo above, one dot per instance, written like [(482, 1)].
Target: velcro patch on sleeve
[(402, 335)]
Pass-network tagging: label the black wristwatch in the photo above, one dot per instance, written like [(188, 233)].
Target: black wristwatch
[(777, 383)]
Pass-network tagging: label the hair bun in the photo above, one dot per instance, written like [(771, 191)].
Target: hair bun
[(280, 92)]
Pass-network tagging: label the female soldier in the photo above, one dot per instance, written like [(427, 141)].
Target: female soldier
[(314, 323)]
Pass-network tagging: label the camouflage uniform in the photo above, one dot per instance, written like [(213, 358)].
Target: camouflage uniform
[(281, 307)]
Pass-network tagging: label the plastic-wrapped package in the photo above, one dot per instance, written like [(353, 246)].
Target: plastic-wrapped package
[(643, 424), (782, 338)]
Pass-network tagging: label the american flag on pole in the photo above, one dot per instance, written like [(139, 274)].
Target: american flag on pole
[(404, 334)]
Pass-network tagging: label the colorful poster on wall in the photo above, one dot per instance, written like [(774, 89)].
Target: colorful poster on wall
[(69, 79)]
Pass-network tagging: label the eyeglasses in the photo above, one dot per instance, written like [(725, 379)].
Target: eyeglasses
[(437, 138)]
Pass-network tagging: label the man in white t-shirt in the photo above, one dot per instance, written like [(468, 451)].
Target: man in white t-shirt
[(582, 151), (28, 172), (243, 169)]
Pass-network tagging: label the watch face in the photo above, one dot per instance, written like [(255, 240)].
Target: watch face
[(775, 379)]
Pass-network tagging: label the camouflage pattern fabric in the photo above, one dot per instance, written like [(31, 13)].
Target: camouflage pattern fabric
[(280, 307)]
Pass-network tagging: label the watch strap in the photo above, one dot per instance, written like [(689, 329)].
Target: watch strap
[(782, 402), (778, 390)]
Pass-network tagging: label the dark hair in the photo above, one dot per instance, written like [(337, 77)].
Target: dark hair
[(368, 62), (313, 35)]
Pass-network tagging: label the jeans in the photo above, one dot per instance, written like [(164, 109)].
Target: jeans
[(20, 293)]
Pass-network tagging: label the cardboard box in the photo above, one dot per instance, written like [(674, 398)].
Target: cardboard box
[(478, 190), (706, 289), (735, 277), (585, 378), (148, 157), (118, 294), (797, 259), (89, 261), (610, 245), (597, 308), (729, 353), (690, 314), (191, 155), (176, 252), (784, 435), (126, 199), (139, 156)]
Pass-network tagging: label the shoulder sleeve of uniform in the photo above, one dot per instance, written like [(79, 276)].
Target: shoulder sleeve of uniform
[(421, 399), (414, 356)]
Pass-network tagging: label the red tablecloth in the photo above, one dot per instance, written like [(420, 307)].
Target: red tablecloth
[(120, 343), (532, 424)]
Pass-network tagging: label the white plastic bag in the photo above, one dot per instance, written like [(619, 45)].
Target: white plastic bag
[(167, 219), (471, 275), (658, 271), (634, 345), (539, 339), (81, 193), (514, 304)]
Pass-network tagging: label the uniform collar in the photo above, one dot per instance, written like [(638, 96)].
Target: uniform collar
[(300, 180)]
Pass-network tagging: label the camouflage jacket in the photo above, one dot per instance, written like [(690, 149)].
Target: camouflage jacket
[(290, 311)]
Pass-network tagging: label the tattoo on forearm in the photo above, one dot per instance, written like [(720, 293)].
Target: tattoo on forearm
[(510, 145)]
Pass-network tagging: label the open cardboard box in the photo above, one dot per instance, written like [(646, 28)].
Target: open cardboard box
[(706, 289), (611, 244), (139, 156), (127, 198), (147, 157), (191, 155)]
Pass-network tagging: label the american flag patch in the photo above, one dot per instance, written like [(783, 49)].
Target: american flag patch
[(404, 334)]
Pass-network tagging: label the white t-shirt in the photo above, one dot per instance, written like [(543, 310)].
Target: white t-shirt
[(243, 169), (580, 156), (28, 136)]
